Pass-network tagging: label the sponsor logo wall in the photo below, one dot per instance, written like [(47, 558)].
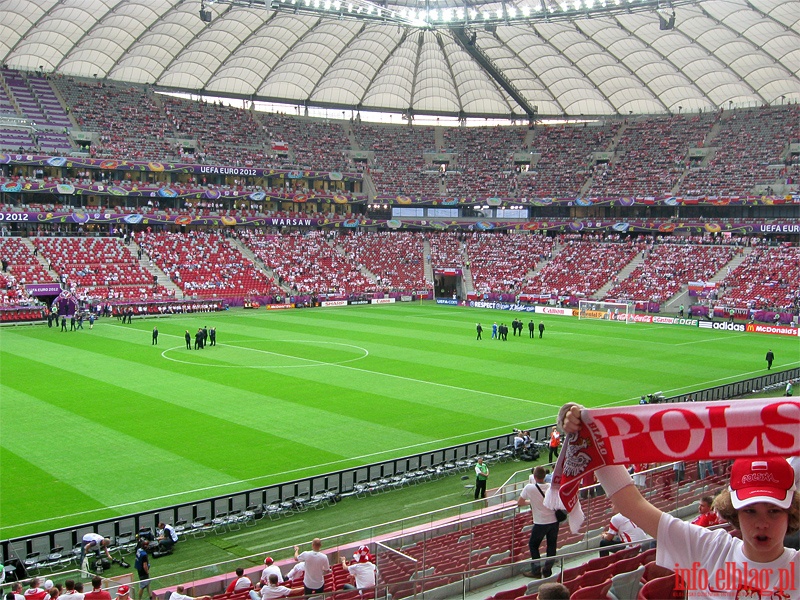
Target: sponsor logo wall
[(721, 326), (382, 301), (334, 303), (772, 329)]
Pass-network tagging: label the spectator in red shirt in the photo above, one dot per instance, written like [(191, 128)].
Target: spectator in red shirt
[(240, 584), (35, 592), (97, 593), (707, 516)]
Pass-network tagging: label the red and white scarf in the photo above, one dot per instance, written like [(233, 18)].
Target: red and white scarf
[(662, 433)]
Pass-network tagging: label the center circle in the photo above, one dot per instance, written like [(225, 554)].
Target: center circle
[(241, 356)]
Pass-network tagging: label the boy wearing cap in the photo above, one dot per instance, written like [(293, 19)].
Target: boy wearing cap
[(362, 570), (761, 501), (123, 592), (270, 568)]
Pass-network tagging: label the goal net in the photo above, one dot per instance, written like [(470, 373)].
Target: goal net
[(610, 311)]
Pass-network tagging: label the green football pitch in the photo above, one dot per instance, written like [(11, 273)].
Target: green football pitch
[(100, 423)]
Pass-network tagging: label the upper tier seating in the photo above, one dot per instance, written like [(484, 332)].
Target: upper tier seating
[(399, 164), (667, 267), (205, 265), (485, 166), (566, 154), (314, 144), (395, 258), (650, 156), (748, 142)]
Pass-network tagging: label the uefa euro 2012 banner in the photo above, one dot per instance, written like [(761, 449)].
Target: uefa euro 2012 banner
[(552, 226)]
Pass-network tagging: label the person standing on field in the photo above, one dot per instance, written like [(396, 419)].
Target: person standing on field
[(481, 475), (769, 358), (541, 329), (478, 328)]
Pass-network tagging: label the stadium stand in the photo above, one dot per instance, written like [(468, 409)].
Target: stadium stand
[(399, 162), (205, 265), (581, 268), (767, 279), (484, 158), (22, 268), (313, 144), (500, 263), (99, 268), (650, 156), (565, 159), (667, 267), (749, 151), (395, 258), (446, 250), (323, 270)]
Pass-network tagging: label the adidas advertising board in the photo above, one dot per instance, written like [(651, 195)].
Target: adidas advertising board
[(720, 325)]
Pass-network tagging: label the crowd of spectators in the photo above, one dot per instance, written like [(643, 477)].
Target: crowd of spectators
[(749, 151), (205, 265), (565, 159), (767, 279), (19, 267), (323, 269), (396, 258), (99, 268), (399, 165), (446, 250), (500, 263), (650, 156), (313, 144), (667, 267), (484, 159), (581, 268)]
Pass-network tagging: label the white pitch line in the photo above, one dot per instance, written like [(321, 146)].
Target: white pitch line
[(332, 463), (412, 379), (703, 341), (264, 531)]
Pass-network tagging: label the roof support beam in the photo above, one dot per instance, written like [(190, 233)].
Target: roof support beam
[(468, 42)]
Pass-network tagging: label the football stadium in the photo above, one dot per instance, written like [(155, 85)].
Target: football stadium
[(298, 289)]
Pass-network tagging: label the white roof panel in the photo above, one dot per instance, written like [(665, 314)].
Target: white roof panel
[(721, 51)]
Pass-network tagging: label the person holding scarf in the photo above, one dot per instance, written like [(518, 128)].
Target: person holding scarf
[(761, 499)]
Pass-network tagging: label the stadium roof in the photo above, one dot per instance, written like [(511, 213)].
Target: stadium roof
[(744, 52)]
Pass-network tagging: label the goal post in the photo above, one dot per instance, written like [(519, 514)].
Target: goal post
[(608, 311)]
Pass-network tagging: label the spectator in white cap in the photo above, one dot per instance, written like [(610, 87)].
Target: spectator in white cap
[(362, 570), (761, 501), (270, 568)]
